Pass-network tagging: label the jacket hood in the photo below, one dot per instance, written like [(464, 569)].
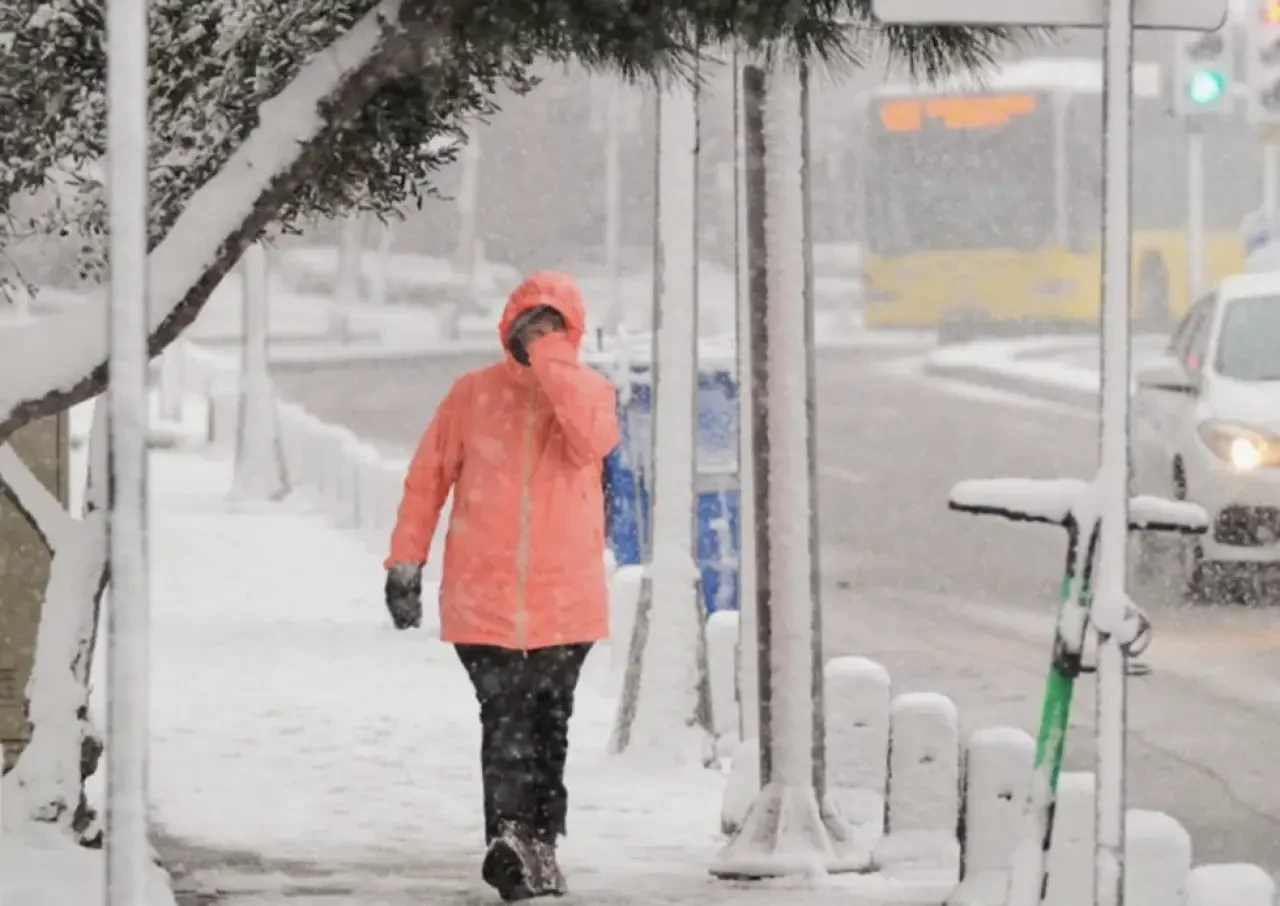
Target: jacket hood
[(553, 289)]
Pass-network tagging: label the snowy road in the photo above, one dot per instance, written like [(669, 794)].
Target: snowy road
[(959, 605)]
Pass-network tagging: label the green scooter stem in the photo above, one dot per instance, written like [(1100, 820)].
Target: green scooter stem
[(1029, 881)]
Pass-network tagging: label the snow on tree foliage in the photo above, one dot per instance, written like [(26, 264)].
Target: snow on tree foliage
[(213, 63)]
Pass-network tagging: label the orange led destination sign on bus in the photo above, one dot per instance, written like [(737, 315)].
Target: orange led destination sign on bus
[(975, 112)]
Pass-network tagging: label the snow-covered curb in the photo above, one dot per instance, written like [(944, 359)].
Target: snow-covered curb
[(1020, 366), (936, 807)]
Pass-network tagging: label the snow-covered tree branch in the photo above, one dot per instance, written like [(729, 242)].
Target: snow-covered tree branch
[(33, 499), (227, 213), (48, 781)]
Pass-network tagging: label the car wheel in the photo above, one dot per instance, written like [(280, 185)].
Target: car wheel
[(959, 325), (1191, 569), (1194, 572)]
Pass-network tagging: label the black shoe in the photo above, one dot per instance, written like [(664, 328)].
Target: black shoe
[(548, 879), (509, 865)]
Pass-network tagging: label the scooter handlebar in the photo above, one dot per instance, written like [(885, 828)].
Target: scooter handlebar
[(1054, 501)]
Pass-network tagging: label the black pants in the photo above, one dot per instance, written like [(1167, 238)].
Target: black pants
[(526, 700)]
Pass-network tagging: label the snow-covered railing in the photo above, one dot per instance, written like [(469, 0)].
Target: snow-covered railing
[(936, 809)]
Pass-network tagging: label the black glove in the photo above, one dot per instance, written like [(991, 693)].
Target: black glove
[(404, 595), (518, 352)]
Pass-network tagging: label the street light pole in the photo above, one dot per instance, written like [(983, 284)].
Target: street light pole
[(1110, 598), (128, 849)]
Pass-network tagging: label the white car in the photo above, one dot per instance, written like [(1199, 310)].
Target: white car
[(1206, 428)]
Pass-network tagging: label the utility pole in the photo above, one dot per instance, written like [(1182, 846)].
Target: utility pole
[(786, 831), (750, 272), (663, 692), (128, 848), (259, 464)]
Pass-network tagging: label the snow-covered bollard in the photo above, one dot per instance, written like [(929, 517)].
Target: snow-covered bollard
[(1070, 863), (722, 648), (1157, 859), (857, 700), (172, 389), (923, 814), (1231, 884), (998, 783), (315, 450), (289, 416), (224, 418), (347, 513), (332, 444), (742, 788), (390, 491), (364, 463), (624, 600)]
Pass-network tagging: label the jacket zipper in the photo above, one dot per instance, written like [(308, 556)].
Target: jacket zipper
[(522, 546)]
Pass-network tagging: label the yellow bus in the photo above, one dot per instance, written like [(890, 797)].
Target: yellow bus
[(981, 202)]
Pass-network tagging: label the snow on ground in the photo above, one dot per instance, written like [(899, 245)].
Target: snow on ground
[(41, 867), (291, 721)]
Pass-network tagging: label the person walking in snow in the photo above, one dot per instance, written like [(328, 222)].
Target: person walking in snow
[(523, 596)]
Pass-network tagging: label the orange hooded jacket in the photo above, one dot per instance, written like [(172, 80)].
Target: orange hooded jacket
[(523, 449)]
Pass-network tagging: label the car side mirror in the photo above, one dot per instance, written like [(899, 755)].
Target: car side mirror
[(1169, 375)]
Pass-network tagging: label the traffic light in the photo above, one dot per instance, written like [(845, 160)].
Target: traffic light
[(1204, 66), (1262, 64)]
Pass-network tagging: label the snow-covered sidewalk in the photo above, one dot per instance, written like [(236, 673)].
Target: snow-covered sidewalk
[(292, 722)]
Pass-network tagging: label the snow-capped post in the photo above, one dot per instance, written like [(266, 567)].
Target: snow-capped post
[(659, 712), (1110, 602), (348, 287), (128, 847), (786, 831), (810, 408), (259, 464), (612, 197), (381, 275), (752, 333), (172, 390), (467, 260)]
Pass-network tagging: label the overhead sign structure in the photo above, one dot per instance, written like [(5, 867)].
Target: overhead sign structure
[(1191, 15)]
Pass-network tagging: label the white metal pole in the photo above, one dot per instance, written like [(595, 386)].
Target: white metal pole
[(128, 850), (612, 201), (259, 465), (667, 696), (1195, 212), (784, 833), (748, 659), (1270, 178), (468, 199), (1110, 599)]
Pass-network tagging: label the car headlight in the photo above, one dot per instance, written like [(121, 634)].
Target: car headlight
[(1240, 446)]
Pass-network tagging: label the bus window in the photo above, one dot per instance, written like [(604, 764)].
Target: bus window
[(962, 172)]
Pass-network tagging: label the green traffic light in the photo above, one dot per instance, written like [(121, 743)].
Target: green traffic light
[(1207, 87)]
